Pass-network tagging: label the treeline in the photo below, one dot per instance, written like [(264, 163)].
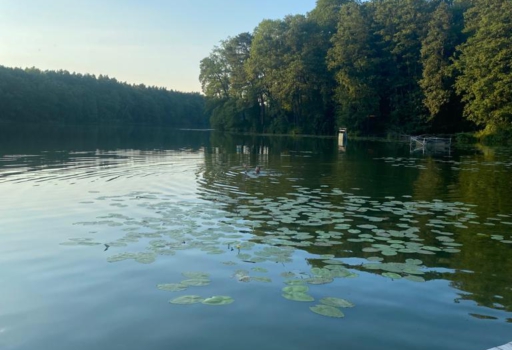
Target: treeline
[(378, 66), (35, 96)]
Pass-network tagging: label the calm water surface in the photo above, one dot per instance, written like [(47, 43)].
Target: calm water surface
[(95, 225)]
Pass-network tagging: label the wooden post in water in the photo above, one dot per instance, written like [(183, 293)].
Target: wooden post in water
[(342, 137)]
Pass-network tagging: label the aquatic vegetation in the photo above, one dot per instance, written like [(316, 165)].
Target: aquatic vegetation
[(390, 233), (218, 300), (326, 310), (392, 275), (336, 302), (295, 289), (195, 282), (187, 299), (298, 296), (172, 287)]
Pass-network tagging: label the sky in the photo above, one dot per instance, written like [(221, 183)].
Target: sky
[(151, 42)]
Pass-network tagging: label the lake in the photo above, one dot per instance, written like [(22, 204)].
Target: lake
[(158, 239)]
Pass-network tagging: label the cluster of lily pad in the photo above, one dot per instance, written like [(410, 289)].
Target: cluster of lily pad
[(328, 306), (194, 279), (194, 299), (252, 229), (280, 225), (242, 275), (471, 164), (392, 225), (410, 270)]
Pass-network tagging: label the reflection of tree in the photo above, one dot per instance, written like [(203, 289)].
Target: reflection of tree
[(90, 147), (470, 181), (285, 159), (430, 182), (490, 260)]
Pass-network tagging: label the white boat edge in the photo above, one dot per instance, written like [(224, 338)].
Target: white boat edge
[(503, 347)]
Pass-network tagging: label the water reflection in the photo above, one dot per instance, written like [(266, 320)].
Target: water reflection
[(458, 203), (370, 209), (45, 154)]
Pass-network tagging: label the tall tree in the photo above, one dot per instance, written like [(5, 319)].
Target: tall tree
[(485, 64), (35, 96), (214, 76), (326, 13), (353, 60), (401, 26), (265, 65), (436, 51)]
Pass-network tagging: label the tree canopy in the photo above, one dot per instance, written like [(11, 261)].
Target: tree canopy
[(35, 96), (374, 67)]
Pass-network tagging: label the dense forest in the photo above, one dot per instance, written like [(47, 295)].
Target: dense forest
[(379, 66), (35, 96)]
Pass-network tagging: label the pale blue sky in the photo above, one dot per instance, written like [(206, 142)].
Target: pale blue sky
[(154, 42)]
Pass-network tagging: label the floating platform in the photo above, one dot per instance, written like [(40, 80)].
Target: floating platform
[(427, 143)]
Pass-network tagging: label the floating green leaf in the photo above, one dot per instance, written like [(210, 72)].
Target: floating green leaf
[(321, 272), (319, 280), (326, 310), (196, 282), (414, 261), (298, 296), (414, 278), (392, 275), (336, 302), (295, 289), (218, 300), (287, 274), (172, 287), (187, 299)]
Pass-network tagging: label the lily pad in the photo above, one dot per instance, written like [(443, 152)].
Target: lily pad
[(218, 300), (336, 302), (295, 289), (414, 261), (298, 296), (414, 278), (392, 275), (295, 282), (196, 282), (319, 280), (187, 299), (172, 287), (287, 274), (196, 275), (326, 310), (318, 272)]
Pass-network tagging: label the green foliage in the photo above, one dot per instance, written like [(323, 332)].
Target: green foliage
[(484, 63), (436, 51), (35, 96), (355, 63), (380, 66), (465, 138), (326, 13), (493, 135)]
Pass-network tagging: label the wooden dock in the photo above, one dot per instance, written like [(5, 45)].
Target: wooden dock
[(503, 347)]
